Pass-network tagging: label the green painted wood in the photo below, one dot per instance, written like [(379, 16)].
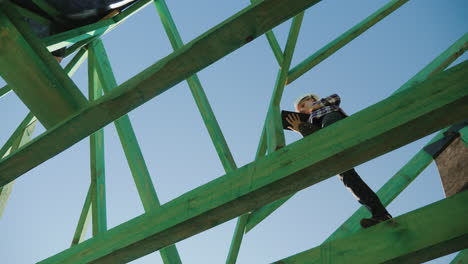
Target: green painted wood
[(390, 190), (275, 47), (417, 112), (434, 67), (211, 46), (198, 93), (275, 133), (70, 69), (464, 135), (96, 142), (130, 11), (135, 159), (5, 90), (66, 38), (237, 239), (29, 14), (76, 62), (274, 129), (260, 214), (404, 239), (26, 130), (97, 29), (83, 221), (440, 63), (47, 8), (461, 257), (7, 146), (126, 133), (79, 45), (239, 230), (342, 40), (34, 75)]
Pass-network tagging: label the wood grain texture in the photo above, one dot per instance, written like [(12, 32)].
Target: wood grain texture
[(404, 239), (378, 129)]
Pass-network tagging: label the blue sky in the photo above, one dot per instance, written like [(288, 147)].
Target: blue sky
[(45, 204)]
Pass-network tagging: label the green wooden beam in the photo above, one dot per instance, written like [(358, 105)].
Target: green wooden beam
[(26, 129), (242, 220), (5, 90), (6, 148), (440, 63), (132, 150), (83, 221), (390, 190), (211, 46), (70, 69), (464, 135), (403, 118), (29, 14), (342, 40), (76, 62), (461, 257), (73, 36), (198, 93), (435, 66), (34, 74), (47, 8), (275, 47), (404, 239), (274, 129), (99, 28), (96, 142)]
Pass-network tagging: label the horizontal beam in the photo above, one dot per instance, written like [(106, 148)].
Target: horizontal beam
[(402, 118), (404, 239), (221, 40)]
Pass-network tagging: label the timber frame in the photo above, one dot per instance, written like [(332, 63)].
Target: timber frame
[(435, 99)]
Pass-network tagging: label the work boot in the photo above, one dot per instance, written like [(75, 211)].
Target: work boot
[(368, 222)]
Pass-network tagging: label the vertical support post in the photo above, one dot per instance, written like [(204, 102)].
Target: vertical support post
[(132, 150), (98, 192), (272, 129)]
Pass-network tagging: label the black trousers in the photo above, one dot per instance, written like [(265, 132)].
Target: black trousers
[(353, 181)]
